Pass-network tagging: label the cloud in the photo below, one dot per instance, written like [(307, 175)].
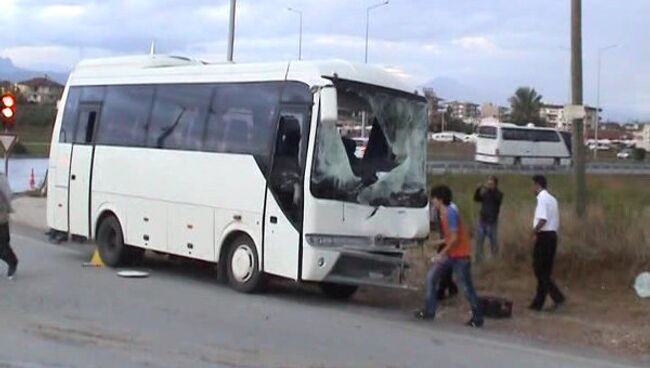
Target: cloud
[(499, 43), (61, 11), (475, 43)]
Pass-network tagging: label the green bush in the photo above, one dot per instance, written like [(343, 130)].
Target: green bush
[(639, 154)]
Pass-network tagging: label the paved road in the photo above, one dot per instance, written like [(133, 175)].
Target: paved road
[(593, 168), (59, 314)]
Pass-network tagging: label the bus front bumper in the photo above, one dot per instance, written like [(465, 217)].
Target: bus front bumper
[(365, 261)]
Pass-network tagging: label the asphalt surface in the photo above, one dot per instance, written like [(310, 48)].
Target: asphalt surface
[(462, 166), (57, 313)]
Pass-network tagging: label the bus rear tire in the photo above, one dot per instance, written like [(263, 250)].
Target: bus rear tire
[(338, 291), (243, 269), (110, 242)]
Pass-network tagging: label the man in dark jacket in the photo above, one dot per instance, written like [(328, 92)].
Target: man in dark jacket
[(6, 253), (490, 198)]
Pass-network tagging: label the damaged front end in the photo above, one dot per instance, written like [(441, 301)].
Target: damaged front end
[(373, 261)]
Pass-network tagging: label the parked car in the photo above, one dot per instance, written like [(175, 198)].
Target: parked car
[(443, 137), (625, 154), (601, 147)]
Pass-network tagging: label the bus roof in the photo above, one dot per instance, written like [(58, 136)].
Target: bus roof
[(151, 69)]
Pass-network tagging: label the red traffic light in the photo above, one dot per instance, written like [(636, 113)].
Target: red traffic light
[(7, 110), (8, 100), (7, 113)]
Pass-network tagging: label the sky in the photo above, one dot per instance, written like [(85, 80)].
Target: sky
[(490, 45)]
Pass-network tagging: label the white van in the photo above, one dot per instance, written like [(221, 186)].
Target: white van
[(510, 144)]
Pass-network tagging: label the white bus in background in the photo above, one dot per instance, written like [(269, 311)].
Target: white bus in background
[(510, 144), (242, 166)]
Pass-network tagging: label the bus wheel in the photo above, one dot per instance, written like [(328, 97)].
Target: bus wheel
[(110, 242), (338, 291), (243, 266)]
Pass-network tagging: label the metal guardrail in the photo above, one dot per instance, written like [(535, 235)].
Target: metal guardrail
[(472, 167)]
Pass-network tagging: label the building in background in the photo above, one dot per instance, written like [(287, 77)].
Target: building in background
[(6, 86), (633, 127), (40, 90), (467, 112), (490, 110), (555, 117), (645, 137)]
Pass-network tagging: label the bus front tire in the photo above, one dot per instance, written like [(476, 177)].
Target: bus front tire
[(338, 291), (110, 243), (243, 269)]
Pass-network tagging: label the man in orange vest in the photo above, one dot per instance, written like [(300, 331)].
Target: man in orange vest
[(454, 255)]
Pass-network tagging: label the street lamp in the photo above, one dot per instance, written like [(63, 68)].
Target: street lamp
[(231, 31), (600, 53), (368, 23), (300, 34)]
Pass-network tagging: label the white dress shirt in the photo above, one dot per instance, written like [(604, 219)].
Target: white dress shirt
[(547, 209)]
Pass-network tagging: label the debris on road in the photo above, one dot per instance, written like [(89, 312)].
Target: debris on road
[(642, 285), (133, 274)]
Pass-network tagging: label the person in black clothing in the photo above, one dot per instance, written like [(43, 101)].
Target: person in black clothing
[(490, 198), (6, 253)]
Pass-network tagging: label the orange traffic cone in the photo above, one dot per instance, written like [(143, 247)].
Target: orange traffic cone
[(32, 181)]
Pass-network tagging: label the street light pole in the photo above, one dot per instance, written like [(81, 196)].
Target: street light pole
[(580, 182), (300, 34), (231, 30), (597, 128), (368, 24)]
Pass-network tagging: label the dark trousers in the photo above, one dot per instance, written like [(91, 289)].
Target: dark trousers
[(543, 259), (447, 285), (462, 268), (6, 253)]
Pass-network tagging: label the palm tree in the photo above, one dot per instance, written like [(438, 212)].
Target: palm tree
[(525, 105)]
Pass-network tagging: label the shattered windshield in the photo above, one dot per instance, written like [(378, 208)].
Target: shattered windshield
[(375, 153)]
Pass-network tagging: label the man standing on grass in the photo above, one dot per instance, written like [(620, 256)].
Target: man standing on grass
[(454, 255), (545, 226), (6, 253), (490, 198)]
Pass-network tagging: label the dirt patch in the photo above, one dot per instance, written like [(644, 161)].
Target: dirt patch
[(602, 313)]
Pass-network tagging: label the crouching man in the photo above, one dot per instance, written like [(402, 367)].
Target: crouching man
[(454, 255)]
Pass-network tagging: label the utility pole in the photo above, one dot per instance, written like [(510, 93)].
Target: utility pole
[(580, 183), (231, 30)]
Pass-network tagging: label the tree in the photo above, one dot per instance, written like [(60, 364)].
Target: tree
[(525, 105)]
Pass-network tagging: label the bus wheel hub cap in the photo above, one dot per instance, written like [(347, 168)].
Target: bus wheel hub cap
[(242, 263)]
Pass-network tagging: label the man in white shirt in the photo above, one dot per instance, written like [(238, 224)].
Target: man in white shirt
[(6, 253), (546, 223)]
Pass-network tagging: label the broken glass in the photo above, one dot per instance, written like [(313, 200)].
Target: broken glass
[(390, 169)]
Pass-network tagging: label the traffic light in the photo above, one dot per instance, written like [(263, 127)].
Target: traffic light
[(8, 110)]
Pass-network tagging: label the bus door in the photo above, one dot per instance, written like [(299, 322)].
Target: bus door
[(80, 170), (283, 215)]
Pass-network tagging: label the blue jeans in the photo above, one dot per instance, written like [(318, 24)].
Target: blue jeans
[(484, 230), (462, 269)]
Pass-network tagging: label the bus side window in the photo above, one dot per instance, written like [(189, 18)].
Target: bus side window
[(86, 125), (70, 115)]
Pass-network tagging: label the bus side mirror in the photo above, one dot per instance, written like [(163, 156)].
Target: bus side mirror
[(328, 104)]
